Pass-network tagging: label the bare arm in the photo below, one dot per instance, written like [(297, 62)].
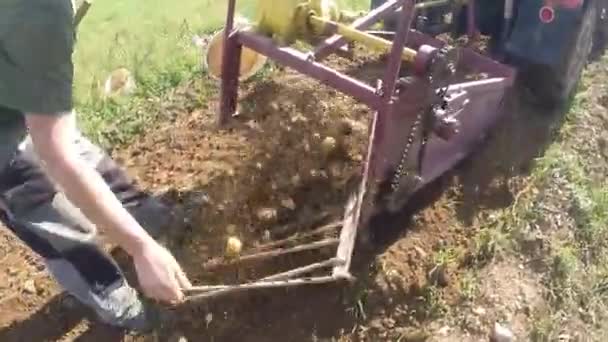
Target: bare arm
[(52, 137)]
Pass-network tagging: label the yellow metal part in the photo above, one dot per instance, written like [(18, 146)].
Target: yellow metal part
[(251, 61), (287, 20), (357, 36)]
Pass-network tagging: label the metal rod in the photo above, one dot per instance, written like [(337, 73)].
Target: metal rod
[(279, 276), (332, 43), (302, 63), (431, 4), (264, 285), (394, 64), (355, 35), (264, 255), (303, 270), (231, 60), (322, 229)]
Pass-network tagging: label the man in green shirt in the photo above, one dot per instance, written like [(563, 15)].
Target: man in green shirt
[(42, 151)]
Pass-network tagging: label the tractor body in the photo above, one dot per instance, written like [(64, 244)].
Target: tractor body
[(547, 41)]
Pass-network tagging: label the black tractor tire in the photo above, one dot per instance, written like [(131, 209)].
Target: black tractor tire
[(553, 88)]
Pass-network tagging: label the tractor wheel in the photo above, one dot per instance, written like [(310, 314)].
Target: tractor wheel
[(554, 87)]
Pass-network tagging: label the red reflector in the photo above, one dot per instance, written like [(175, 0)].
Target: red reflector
[(546, 14)]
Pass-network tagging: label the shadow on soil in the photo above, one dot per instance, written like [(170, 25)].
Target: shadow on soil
[(329, 311)]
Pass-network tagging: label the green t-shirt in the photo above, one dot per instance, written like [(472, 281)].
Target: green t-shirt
[(36, 71), (36, 46)]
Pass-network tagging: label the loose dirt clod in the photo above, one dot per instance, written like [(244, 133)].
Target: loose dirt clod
[(29, 286), (267, 214), (288, 203)]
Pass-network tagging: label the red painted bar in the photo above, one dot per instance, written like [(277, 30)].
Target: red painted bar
[(394, 63), (230, 69), (300, 61)]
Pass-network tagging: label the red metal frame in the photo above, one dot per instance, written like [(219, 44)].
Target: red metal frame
[(394, 111)]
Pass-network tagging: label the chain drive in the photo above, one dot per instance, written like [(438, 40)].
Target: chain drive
[(402, 169)]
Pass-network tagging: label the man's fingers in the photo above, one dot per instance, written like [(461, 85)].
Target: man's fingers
[(167, 292), (182, 279)]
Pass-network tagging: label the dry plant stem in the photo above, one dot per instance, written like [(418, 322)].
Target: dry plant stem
[(262, 285), (270, 254), (322, 229)]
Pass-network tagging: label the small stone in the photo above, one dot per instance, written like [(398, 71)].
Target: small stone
[(479, 311), (266, 235), (501, 334), (288, 203), (208, 318), (178, 337), (421, 253), (267, 214), (564, 338), (12, 271), (315, 173), (29, 286), (444, 331)]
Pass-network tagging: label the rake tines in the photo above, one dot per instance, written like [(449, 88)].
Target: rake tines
[(284, 279)]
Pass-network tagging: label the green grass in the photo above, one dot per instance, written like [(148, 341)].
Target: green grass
[(577, 251), (151, 38)]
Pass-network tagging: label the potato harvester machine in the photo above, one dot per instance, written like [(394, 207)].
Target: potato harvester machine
[(422, 125)]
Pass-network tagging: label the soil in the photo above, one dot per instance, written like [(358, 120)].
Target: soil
[(287, 164)]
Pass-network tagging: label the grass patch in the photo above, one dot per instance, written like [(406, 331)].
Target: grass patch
[(562, 202), (153, 39)]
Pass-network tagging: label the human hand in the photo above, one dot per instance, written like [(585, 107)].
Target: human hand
[(159, 274)]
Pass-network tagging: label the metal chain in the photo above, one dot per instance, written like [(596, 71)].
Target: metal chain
[(401, 169), (401, 172)]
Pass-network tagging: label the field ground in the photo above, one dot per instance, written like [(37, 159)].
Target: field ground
[(518, 232)]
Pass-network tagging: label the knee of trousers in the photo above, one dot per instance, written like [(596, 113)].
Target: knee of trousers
[(25, 186)]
